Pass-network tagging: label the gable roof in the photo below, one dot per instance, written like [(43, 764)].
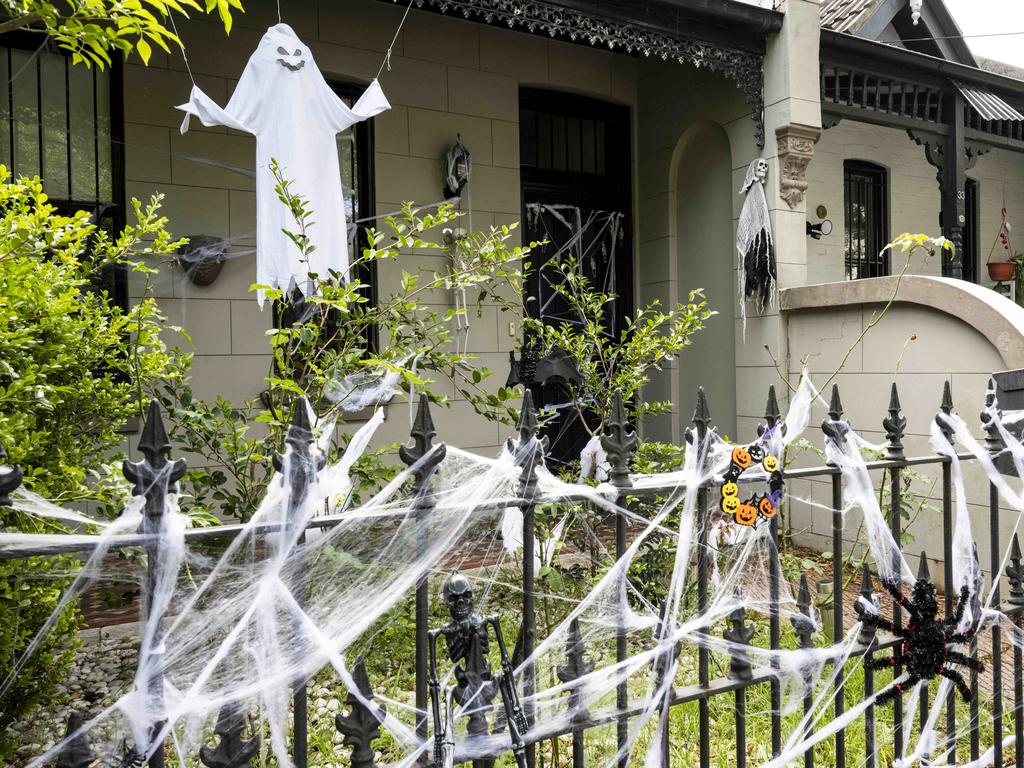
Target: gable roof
[(935, 34), (845, 15)]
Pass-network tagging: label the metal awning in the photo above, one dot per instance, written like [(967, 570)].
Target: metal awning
[(987, 104)]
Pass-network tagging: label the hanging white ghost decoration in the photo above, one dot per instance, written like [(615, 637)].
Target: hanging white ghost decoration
[(284, 101), (754, 242)]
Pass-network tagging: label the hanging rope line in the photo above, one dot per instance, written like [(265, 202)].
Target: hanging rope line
[(387, 56), (181, 45)]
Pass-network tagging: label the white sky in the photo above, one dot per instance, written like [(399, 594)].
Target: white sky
[(985, 17), (982, 17)]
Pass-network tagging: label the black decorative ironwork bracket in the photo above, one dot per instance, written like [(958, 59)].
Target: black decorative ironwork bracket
[(744, 68)]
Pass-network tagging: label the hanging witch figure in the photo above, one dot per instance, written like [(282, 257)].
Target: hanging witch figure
[(754, 242)]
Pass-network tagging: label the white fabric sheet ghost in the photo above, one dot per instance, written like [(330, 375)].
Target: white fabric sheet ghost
[(283, 100)]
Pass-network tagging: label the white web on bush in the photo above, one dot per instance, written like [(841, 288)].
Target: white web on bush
[(236, 628)]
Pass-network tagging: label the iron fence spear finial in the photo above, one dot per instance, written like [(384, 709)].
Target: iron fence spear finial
[(993, 439), (422, 434), (867, 631), (803, 620), (76, 752), (834, 427), (924, 572), (946, 410), (361, 725), (895, 425), (739, 633), (772, 414), (619, 441), (577, 664), (1015, 573), (232, 751)]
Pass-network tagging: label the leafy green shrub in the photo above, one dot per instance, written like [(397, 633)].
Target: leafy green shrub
[(325, 342), (73, 369)]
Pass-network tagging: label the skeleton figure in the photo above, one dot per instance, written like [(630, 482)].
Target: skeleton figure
[(284, 101), (754, 242), (466, 640)]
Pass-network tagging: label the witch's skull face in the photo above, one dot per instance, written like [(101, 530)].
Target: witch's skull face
[(761, 170), (290, 59)]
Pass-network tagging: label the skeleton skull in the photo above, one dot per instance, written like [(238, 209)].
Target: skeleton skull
[(292, 60), (458, 596), (761, 170)]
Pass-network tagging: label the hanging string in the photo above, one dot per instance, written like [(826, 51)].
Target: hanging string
[(184, 56), (278, 11), (387, 56)]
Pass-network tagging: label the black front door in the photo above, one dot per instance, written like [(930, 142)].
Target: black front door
[(575, 176)]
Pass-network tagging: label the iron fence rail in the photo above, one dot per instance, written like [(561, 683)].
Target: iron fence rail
[(156, 476)]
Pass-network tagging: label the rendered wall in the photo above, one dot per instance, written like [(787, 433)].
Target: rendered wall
[(447, 76), (676, 106), (947, 346), (913, 194)]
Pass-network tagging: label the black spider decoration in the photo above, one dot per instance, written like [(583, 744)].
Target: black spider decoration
[(926, 641)]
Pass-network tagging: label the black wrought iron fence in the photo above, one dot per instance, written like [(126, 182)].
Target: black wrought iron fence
[(156, 475)]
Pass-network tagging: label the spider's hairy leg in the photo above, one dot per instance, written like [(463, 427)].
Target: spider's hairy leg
[(876, 621), (893, 588), (961, 658), (961, 638), (961, 606), (880, 662), (896, 689), (958, 681)]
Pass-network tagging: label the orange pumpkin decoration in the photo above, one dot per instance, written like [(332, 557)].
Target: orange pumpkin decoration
[(770, 463), (746, 514), (730, 489), (730, 504), (766, 507), (741, 457)]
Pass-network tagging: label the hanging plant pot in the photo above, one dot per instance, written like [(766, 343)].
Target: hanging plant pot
[(1001, 271), (202, 258)]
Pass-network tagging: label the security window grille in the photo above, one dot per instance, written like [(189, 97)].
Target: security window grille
[(63, 123), (867, 220)]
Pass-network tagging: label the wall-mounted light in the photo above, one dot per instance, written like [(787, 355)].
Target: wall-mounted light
[(821, 229), (202, 258), (458, 166)]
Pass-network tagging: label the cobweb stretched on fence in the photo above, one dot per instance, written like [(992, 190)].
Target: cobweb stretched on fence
[(242, 624)]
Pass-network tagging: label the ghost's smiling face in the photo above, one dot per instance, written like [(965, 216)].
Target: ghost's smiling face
[(291, 60)]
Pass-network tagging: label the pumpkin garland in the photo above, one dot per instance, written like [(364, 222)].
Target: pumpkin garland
[(760, 506)]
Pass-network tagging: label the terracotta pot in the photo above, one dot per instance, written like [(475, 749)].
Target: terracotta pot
[(1001, 271)]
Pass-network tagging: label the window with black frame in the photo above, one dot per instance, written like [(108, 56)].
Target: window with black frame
[(866, 194), (355, 155), (64, 123)]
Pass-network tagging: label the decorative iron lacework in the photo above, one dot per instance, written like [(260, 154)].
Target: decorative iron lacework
[(742, 67)]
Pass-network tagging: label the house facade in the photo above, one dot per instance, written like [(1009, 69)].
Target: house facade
[(650, 111)]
